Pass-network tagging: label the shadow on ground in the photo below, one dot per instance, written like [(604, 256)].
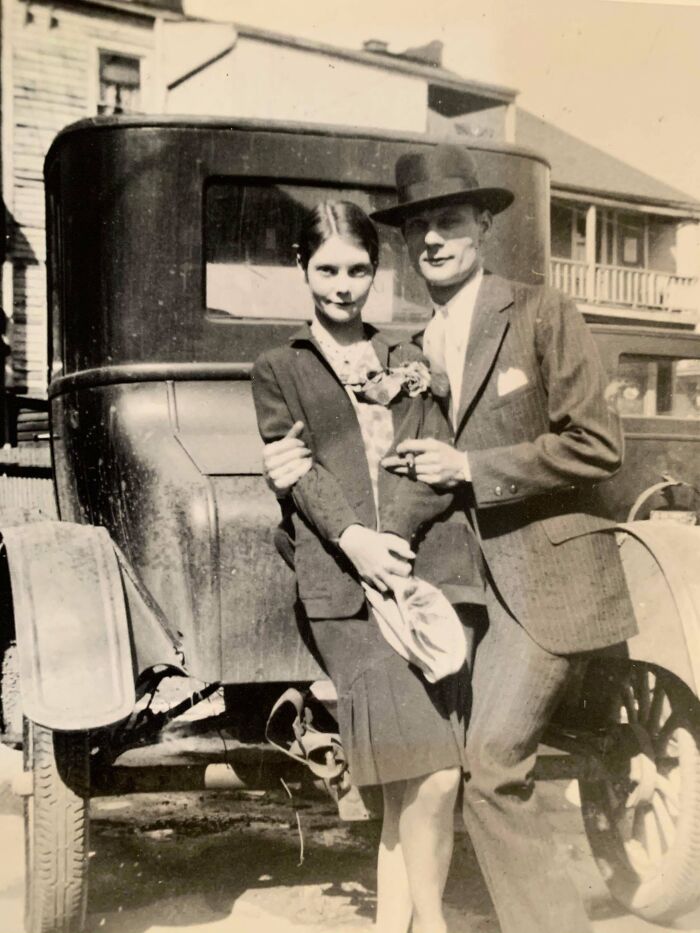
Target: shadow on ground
[(186, 860)]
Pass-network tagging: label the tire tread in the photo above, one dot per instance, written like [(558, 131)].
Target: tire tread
[(57, 852)]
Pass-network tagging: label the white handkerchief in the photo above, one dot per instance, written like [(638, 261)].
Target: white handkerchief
[(510, 380), (419, 623)]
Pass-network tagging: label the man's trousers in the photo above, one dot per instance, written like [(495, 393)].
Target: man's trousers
[(515, 687)]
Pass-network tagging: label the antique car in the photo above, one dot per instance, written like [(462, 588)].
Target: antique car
[(156, 586)]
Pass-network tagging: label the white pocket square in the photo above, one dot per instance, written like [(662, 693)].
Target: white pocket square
[(510, 380)]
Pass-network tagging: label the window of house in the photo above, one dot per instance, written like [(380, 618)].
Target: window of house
[(568, 232), (250, 229), (120, 83), (662, 243), (561, 231), (631, 234), (621, 239), (656, 387), (578, 235)]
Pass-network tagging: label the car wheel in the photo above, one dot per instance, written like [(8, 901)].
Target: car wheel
[(56, 823), (644, 825)]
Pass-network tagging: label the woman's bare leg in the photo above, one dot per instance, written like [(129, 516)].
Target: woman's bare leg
[(394, 904), (426, 832)]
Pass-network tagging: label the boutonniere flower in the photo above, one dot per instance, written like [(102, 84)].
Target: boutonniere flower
[(383, 386), (415, 377)]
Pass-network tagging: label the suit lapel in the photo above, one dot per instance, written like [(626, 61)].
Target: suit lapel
[(321, 381), (324, 417), (489, 325), (444, 401)]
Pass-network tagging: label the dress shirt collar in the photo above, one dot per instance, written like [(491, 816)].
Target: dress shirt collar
[(464, 300)]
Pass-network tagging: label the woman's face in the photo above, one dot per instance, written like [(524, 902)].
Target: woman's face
[(340, 276)]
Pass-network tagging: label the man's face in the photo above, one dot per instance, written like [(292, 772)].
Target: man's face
[(444, 243)]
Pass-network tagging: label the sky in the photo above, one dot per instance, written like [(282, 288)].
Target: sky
[(622, 74)]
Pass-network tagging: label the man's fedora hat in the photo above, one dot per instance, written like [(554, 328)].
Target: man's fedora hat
[(439, 175)]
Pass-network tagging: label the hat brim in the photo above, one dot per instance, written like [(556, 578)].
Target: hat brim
[(492, 199)]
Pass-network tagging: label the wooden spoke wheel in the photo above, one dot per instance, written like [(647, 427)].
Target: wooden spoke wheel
[(644, 825)]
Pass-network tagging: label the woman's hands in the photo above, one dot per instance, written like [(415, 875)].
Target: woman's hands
[(378, 557), (286, 461)]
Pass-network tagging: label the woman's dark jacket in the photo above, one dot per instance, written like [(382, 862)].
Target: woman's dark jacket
[(295, 383)]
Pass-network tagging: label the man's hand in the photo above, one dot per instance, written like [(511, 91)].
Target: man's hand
[(433, 462), (286, 461), (377, 557)]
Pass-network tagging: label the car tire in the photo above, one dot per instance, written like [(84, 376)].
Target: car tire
[(10, 700), (644, 827), (56, 822)]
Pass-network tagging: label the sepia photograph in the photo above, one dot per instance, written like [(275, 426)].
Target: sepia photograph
[(350, 466)]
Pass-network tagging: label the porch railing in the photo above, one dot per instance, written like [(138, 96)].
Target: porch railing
[(620, 285), (570, 277)]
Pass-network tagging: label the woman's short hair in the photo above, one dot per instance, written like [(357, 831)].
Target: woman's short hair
[(337, 218)]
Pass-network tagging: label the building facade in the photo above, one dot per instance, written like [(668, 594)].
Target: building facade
[(60, 63), (371, 88), (622, 243)]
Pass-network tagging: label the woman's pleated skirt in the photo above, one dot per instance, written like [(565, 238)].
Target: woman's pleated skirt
[(394, 725)]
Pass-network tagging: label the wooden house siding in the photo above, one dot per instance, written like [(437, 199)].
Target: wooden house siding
[(51, 80)]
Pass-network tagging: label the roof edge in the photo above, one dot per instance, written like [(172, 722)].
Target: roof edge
[(690, 208), (388, 62), (614, 179), (143, 10)]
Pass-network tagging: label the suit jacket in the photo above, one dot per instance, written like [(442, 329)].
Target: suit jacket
[(295, 383), (540, 438)]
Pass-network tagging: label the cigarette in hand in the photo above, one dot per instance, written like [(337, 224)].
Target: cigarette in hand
[(411, 464)]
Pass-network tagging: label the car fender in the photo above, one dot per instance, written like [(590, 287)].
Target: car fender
[(661, 560), (71, 624)]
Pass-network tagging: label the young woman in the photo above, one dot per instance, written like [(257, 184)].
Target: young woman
[(353, 521)]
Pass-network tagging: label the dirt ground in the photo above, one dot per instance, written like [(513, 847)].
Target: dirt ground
[(229, 862)]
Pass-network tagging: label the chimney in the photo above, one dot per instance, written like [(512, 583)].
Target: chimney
[(376, 45), (430, 54)]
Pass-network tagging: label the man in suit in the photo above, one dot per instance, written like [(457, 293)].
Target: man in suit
[(532, 438)]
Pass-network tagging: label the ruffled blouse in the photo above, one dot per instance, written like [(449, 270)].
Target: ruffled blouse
[(351, 364)]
